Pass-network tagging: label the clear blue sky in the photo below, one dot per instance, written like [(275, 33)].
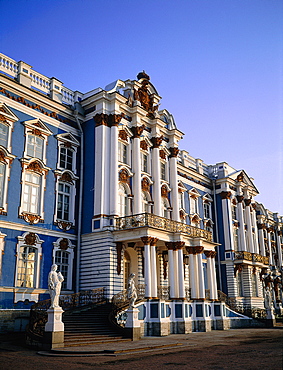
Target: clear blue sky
[(216, 63)]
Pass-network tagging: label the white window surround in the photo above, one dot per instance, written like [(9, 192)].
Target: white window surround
[(2, 245), (68, 248), (7, 117), (6, 160), (37, 168), (69, 142), (67, 178), (36, 130), (193, 197), (123, 199), (27, 291)]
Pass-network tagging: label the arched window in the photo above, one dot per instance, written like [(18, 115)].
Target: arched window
[(164, 208)]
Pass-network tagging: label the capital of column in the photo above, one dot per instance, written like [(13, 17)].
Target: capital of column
[(199, 249), (137, 131), (225, 194), (173, 152), (210, 254), (107, 119), (240, 198), (153, 242), (179, 245), (247, 202), (195, 250), (170, 245), (156, 141), (146, 240), (261, 226)]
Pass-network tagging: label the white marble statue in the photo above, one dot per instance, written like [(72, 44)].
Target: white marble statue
[(132, 291), (55, 280)]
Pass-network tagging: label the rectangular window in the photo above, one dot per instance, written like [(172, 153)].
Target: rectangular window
[(162, 171), (236, 239), (122, 152), (193, 205), (66, 158), (144, 162), (62, 261), (4, 129), (206, 207), (240, 284), (35, 146), (63, 205), (26, 267), (31, 195), (181, 200), (254, 285)]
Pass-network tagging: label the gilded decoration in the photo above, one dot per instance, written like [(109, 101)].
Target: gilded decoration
[(107, 119), (238, 268), (170, 245), (153, 241), (162, 154), (146, 240), (137, 131), (173, 152), (36, 132), (35, 166), (145, 184), (123, 135), (64, 244), (124, 176), (144, 145), (247, 202), (2, 157), (240, 198), (66, 177), (225, 194), (180, 245), (30, 239), (3, 118), (67, 144), (64, 225), (156, 141), (31, 218), (164, 191), (240, 177)]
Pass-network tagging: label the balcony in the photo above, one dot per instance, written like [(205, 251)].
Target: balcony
[(160, 223), (251, 257)]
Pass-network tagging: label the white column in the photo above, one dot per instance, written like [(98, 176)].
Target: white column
[(136, 163), (269, 247), (147, 266), (171, 267), (153, 268), (256, 242), (200, 276), (114, 171), (102, 154), (193, 274), (227, 220), (174, 184), (249, 225), (155, 170), (240, 215), (213, 271), (279, 250), (261, 240), (181, 270), (209, 274)]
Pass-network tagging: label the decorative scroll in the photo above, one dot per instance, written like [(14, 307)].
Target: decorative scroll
[(35, 167), (123, 135), (124, 176), (31, 218), (64, 244), (144, 145), (64, 225), (164, 191), (145, 185), (66, 177), (30, 239)]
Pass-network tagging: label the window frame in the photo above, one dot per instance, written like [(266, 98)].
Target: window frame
[(62, 180), (69, 249)]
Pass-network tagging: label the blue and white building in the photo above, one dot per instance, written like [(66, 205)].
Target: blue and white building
[(98, 184)]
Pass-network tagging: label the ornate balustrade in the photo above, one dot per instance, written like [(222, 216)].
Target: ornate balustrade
[(38, 312), (38, 81), (161, 223), (252, 257)]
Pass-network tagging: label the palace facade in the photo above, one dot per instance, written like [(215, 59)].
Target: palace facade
[(98, 184)]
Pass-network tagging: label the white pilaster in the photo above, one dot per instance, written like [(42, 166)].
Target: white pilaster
[(171, 271), (153, 268), (147, 268), (240, 215), (137, 176), (181, 273), (193, 276), (200, 276), (174, 184), (114, 171)]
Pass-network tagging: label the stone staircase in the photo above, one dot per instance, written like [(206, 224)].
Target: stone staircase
[(90, 325)]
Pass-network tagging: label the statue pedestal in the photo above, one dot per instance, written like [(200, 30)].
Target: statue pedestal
[(133, 323), (54, 329)]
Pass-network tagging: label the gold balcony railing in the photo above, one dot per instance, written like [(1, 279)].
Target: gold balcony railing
[(253, 257), (161, 223)]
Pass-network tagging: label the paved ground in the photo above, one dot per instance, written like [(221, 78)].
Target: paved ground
[(234, 349)]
